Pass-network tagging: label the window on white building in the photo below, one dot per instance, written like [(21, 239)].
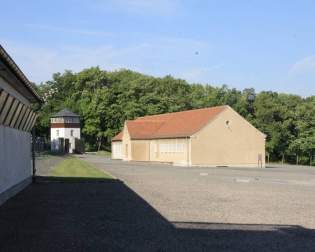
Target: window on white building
[(71, 133), (57, 133)]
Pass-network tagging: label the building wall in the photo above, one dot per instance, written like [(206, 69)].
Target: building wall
[(174, 150), (126, 145), (15, 152), (140, 150), (235, 144), (161, 150), (64, 133), (65, 120), (15, 159)]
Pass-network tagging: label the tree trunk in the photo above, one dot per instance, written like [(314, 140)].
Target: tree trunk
[(297, 159), (99, 144)]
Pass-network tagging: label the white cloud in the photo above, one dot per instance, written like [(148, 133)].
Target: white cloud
[(200, 74), (157, 56), (57, 29), (40, 63), (300, 77), (303, 66)]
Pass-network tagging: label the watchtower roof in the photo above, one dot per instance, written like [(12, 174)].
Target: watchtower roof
[(65, 113)]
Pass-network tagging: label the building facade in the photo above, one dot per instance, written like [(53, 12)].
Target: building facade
[(64, 131), (16, 122), (216, 136)]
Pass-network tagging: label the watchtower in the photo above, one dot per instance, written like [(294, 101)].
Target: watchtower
[(64, 130)]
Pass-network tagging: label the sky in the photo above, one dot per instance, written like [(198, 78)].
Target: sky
[(267, 45)]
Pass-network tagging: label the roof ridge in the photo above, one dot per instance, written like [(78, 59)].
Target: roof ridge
[(176, 124), (183, 111), (65, 112)]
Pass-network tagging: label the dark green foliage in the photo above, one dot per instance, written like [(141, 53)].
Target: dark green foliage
[(106, 99)]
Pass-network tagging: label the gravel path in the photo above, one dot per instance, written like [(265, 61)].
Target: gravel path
[(281, 196), (163, 208), (46, 163), (109, 216)]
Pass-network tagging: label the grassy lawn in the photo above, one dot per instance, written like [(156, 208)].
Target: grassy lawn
[(44, 155), (104, 153), (74, 167)]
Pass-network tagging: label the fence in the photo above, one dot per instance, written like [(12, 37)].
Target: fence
[(41, 145)]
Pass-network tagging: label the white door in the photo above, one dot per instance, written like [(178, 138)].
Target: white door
[(117, 150)]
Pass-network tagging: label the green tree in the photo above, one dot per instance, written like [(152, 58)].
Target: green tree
[(106, 99)]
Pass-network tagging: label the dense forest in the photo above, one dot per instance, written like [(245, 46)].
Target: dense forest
[(106, 99)]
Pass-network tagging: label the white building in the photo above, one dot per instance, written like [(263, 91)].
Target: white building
[(64, 130), (16, 122)]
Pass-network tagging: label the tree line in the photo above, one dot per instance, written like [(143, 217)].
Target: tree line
[(105, 100)]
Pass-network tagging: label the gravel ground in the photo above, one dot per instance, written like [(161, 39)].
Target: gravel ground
[(281, 196), (45, 164), (163, 208)]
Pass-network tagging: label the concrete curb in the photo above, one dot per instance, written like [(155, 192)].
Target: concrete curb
[(12, 191)]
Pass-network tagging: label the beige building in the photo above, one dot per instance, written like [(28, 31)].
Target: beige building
[(216, 136)]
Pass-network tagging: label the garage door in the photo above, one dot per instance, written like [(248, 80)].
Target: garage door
[(117, 150)]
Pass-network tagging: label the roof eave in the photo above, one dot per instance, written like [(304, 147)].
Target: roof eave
[(54, 116), (65, 113), (9, 62), (160, 137)]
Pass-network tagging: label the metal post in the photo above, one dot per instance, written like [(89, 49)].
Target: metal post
[(33, 154)]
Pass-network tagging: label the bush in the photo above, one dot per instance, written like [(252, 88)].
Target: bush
[(79, 146), (89, 147)]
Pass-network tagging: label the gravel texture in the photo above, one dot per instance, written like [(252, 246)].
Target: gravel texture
[(164, 208), (284, 196), (45, 164)]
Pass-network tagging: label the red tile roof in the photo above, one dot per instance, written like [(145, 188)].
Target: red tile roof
[(171, 125), (143, 129), (118, 137)]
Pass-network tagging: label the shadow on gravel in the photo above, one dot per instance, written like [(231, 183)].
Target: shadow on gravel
[(67, 214)]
